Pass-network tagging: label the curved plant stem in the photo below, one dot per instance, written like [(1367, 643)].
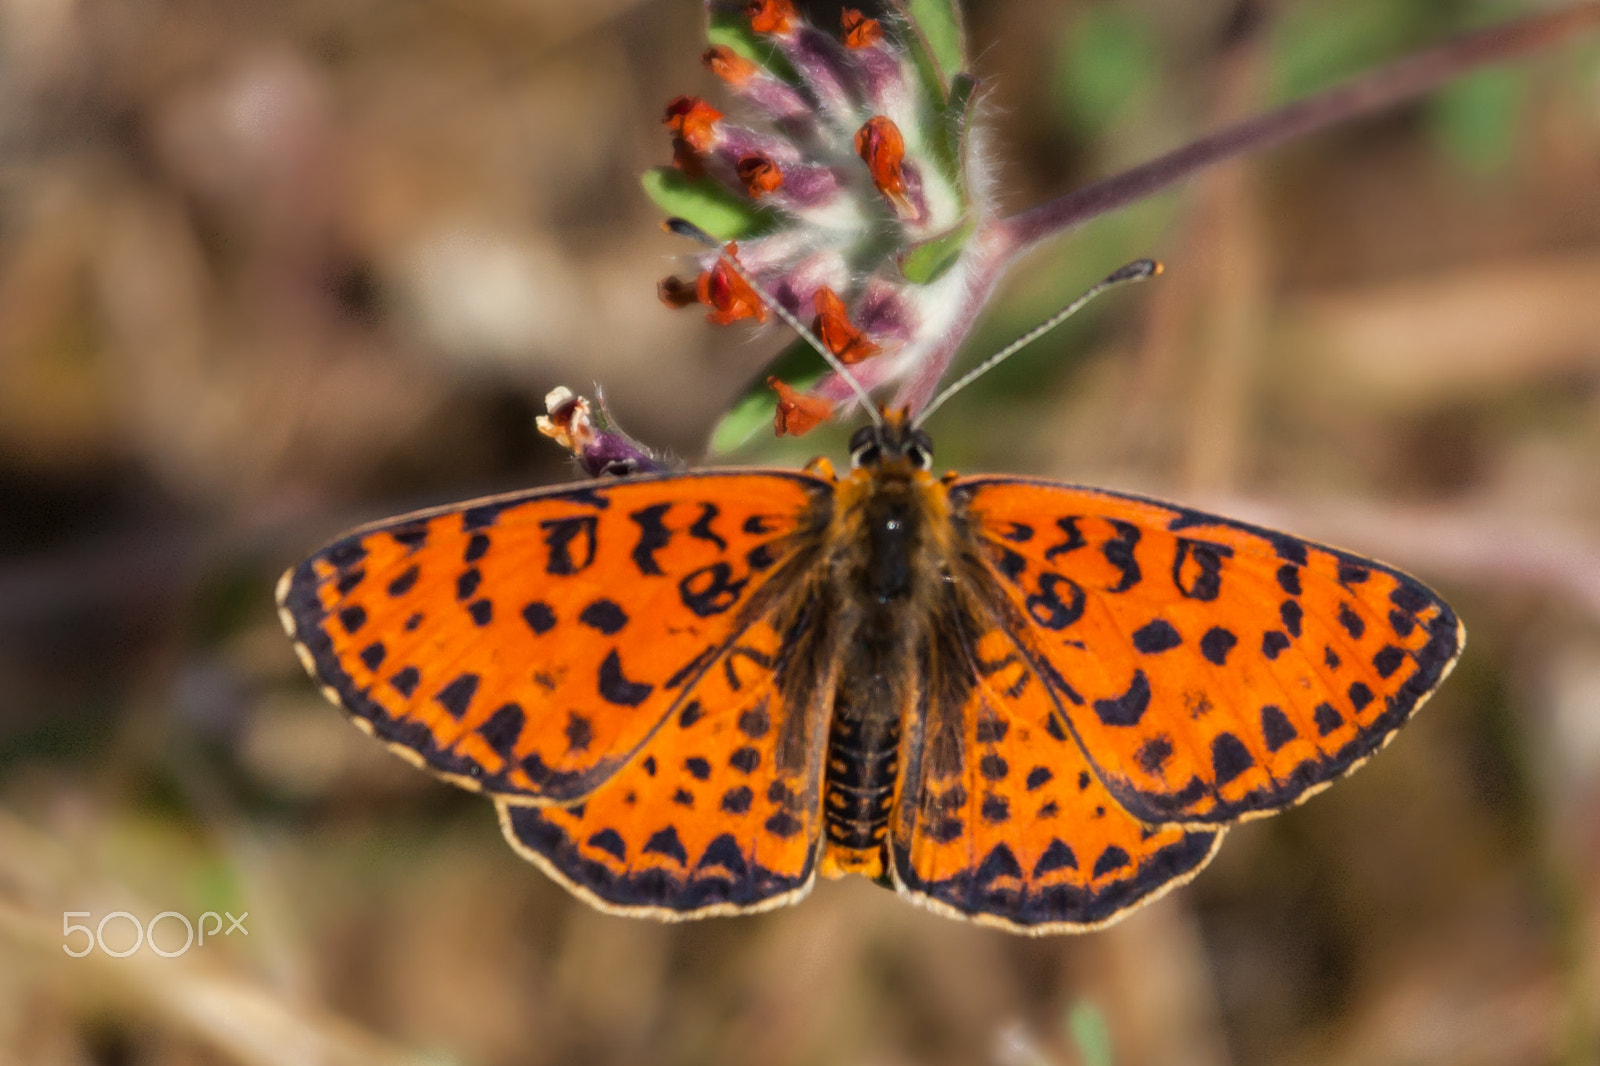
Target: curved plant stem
[(1364, 95)]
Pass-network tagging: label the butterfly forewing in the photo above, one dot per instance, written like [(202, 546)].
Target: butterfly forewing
[(529, 644), (1209, 670)]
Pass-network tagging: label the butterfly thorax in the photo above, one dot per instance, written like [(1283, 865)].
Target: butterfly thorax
[(886, 545)]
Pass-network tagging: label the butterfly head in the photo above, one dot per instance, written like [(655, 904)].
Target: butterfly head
[(891, 442)]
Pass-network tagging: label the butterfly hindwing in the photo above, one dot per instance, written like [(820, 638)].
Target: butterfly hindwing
[(1007, 824), (1210, 670), (717, 813), (526, 645)]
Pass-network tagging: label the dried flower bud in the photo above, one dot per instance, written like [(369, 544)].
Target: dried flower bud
[(860, 31)]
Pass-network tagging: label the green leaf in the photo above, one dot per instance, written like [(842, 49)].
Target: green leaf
[(938, 24), (719, 211), (927, 259), (957, 120), (798, 366)]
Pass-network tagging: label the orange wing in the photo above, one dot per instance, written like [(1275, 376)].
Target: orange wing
[(528, 645), (719, 813), (1210, 670), (1003, 820)]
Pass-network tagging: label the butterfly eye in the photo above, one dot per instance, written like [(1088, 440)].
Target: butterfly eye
[(866, 455), (920, 451)]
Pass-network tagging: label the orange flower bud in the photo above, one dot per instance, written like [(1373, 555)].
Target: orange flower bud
[(798, 414), (727, 294), (760, 175), (694, 121), (771, 16), (883, 149), (728, 65), (860, 31), (833, 328)]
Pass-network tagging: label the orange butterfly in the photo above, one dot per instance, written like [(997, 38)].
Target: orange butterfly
[(1017, 701)]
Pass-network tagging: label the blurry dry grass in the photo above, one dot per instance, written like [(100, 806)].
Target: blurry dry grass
[(270, 269)]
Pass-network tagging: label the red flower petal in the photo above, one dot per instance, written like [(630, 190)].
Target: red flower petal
[(883, 149), (728, 65), (693, 120), (771, 16), (834, 329), (727, 294), (798, 414)]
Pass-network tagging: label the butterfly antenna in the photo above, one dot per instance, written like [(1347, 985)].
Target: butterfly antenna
[(685, 228), (1138, 270)]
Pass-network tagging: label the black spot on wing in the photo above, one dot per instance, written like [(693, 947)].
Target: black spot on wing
[(698, 768), (615, 688), (403, 584), (993, 767), (502, 729), (1128, 708), (605, 616), (1120, 554), (1388, 660), (1276, 729), (1000, 862), (467, 583), (352, 618), (1351, 622), (372, 655), (1229, 757), (1360, 696), (665, 842), (482, 612), (1351, 574), (653, 536), (701, 530), (456, 697), (1038, 777), (580, 732), (477, 548), (1154, 753), (1327, 718), (406, 681), (1289, 578), (737, 800), (540, 618), (1273, 642), (1112, 858), (745, 760), (1291, 614), (1216, 644), (1058, 856), (349, 580), (1156, 636), (610, 842)]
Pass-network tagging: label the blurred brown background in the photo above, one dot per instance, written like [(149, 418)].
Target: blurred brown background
[(271, 269)]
